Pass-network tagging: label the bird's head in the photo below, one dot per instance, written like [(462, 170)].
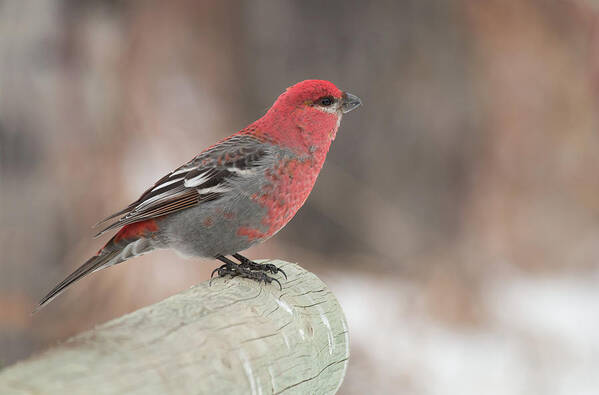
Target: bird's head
[(310, 112), (319, 95)]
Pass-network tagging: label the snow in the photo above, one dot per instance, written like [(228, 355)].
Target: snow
[(540, 336)]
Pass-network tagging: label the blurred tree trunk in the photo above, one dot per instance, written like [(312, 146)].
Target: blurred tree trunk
[(537, 170)]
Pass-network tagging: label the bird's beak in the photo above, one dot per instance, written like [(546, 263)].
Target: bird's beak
[(350, 102)]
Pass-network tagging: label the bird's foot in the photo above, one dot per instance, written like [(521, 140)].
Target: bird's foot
[(244, 271), (260, 267)]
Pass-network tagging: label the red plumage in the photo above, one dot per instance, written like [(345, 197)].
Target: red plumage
[(136, 230)]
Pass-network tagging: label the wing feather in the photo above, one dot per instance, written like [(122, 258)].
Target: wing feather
[(205, 178)]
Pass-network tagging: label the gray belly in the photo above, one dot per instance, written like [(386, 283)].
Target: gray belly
[(211, 228)]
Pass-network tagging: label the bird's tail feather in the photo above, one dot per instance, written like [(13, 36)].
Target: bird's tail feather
[(91, 265), (110, 255)]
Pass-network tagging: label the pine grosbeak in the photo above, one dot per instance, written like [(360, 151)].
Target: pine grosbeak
[(239, 192)]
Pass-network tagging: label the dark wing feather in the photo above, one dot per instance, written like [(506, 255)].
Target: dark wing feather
[(203, 179), (150, 192)]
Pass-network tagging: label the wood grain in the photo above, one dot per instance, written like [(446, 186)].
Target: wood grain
[(234, 337)]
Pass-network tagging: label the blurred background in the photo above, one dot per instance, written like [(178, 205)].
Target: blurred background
[(456, 218)]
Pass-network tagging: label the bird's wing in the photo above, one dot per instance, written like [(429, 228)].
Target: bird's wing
[(205, 178)]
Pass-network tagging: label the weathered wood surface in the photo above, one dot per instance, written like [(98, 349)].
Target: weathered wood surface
[(234, 337)]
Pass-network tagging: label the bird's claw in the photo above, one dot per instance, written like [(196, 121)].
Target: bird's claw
[(263, 267), (247, 270)]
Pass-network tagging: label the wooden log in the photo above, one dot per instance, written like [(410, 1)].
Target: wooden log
[(234, 337)]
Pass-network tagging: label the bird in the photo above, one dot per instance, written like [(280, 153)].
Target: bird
[(234, 194)]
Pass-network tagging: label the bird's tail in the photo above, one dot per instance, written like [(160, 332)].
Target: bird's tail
[(129, 242)]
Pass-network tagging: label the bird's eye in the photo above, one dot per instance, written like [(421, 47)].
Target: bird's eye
[(326, 101)]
